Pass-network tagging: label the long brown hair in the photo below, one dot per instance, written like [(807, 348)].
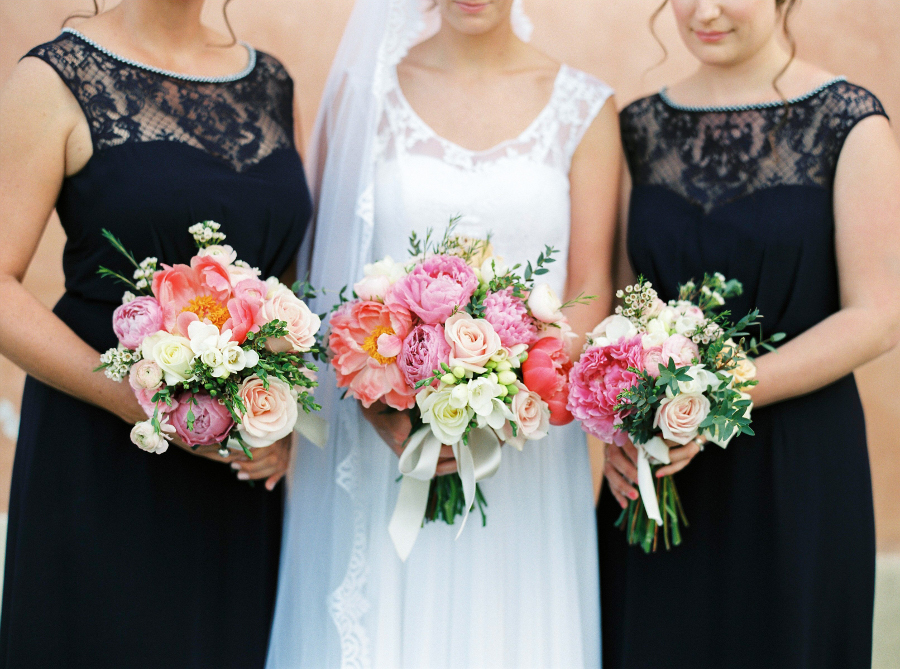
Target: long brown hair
[(786, 7)]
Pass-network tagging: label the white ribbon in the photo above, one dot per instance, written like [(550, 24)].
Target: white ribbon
[(476, 461), (655, 448), (312, 427)]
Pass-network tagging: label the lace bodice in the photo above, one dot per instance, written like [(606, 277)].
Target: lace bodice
[(518, 191), (713, 156), (241, 118)]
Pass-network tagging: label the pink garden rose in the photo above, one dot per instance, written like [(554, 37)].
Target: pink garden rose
[(212, 420), (251, 290), (532, 418), (679, 417), (435, 289), (423, 351), (680, 349), (472, 342), (546, 372), (364, 341), (302, 324), (509, 317), (243, 315), (139, 318), (596, 381), (653, 357), (271, 412)]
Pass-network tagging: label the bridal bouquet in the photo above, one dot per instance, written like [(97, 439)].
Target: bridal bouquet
[(212, 352), (656, 371), (473, 349)]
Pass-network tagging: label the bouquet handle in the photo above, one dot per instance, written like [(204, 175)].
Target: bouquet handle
[(477, 460), (655, 448)]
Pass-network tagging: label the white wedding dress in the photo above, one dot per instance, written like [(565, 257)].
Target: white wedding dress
[(523, 590)]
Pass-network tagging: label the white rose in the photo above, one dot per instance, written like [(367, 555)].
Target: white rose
[(448, 423), (174, 356), (544, 304), (493, 267), (612, 329), (145, 436), (679, 417), (221, 252)]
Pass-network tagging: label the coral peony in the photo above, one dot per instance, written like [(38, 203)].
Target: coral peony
[(435, 289), (212, 420), (134, 321), (363, 337), (546, 372), (596, 381), (423, 351), (509, 317)]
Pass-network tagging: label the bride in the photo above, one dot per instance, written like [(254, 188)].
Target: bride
[(435, 109)]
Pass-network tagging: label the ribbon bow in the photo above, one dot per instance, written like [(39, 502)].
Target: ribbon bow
[(477, 460)]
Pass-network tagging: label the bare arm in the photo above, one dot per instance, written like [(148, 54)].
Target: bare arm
[(595, 179), (39, 125), (867, 213)]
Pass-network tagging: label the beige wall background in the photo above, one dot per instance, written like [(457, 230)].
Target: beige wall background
[(608, 38)]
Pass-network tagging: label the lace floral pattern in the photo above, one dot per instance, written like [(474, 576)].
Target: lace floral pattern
[(713, 156), (240, 119), (551, 138)]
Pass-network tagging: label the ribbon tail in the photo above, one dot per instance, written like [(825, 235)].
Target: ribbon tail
[(312, 427), (466, 469), (412, 502), (478, 460), (646, 486)]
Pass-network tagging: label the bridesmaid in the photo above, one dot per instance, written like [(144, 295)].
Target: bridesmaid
[(794, 189), (143, 122)]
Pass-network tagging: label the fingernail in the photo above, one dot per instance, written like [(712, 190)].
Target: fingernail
[(243, 476), (235, 466), (624, 505), (270, 486), (659, 475), (633, 494)]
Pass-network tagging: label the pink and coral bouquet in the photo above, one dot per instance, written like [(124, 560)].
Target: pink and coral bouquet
[(214, 354), (471, 348), (660, 374)]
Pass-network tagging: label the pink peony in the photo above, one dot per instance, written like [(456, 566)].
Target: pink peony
[(596, 381), (546, 372), (435, 289), (363, 337), (423, 351), (137, 319), (212, 420), (509, 317), (680, 349), (145, 399)]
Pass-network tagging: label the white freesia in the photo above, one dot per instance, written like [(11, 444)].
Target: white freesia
[(498, 416), (544, 304), (145, 436), (482, 392), (221, 252), (235, 359), (447, 423), (701, 381), (173, 354), (459, 396), (206, 336)]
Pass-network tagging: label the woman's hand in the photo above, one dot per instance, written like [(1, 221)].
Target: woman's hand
[(620, 469), (681, 456), (270, 463), (394, 428)]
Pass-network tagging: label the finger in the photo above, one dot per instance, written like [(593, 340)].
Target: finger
[(258, 465), (623, 465), (446, 467), (686, 452), (668, 470), (446, 452), (618, 484), (630, 450), (273, 480)]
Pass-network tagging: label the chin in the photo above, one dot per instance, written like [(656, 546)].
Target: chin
[(717, 55), (484, 21)]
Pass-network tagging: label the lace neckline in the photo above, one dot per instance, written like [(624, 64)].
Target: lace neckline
[(664, 96), (548, 108), (251, 63)]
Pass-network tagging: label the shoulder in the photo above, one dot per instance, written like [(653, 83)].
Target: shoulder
[(852, 102), (271, 67), (583, 85), (639, 114), (65, 53)]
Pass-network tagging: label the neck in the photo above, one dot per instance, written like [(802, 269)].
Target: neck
[(475, 53), (163, 24), (749, 79)]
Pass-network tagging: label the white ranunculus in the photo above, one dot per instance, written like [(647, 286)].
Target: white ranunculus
[(448, 423), (145, 436), (544, 304), (174, 356), (493, 267), (611, 329), (221, 252), (701, 381), (686, 325)]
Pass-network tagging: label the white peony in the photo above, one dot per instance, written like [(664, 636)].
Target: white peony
[(544, 304), (448, 423), (611, 330)]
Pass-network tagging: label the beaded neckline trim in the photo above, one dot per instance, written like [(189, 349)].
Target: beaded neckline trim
[(664, 96), (251, 64)]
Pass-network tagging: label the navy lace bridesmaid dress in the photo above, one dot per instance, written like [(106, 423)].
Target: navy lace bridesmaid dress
[(777, 568), (116, 557)]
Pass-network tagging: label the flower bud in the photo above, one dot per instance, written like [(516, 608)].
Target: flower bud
[(507, 377), (504, 366), (512, 389), (448, 379), (459, 372)]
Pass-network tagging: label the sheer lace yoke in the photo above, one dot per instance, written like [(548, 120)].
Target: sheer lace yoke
[(241, 118), (551, 138), (712, 156)]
